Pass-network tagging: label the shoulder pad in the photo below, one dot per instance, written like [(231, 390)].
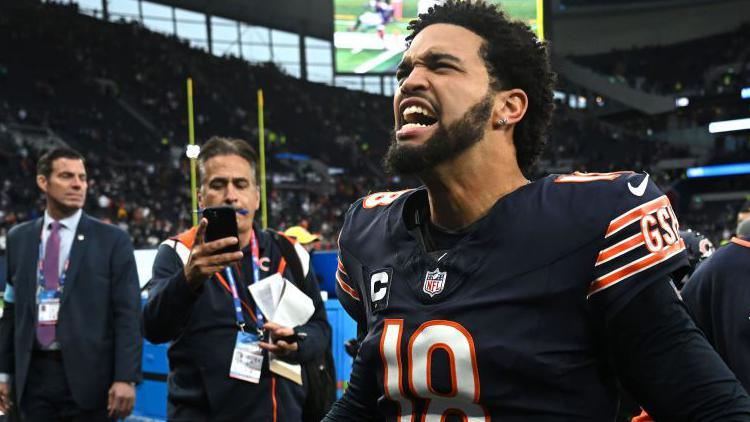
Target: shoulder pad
[(370, 212), (180, 249)]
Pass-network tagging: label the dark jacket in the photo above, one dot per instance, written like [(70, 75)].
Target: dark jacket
[(717, 295), (203, 330), (99, 325)]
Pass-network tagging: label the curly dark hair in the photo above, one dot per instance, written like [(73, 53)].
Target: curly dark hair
[(514, 57)]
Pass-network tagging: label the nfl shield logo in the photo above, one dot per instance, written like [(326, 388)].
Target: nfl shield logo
[(434, 282)]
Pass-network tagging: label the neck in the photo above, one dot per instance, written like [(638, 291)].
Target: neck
[(60, 213), (244, 238), (462, 190)]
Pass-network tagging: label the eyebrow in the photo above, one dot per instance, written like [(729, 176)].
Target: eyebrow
[(71, 173), (228, 179), (430, 58)]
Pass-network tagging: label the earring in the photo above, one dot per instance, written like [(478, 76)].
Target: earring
[(502, 122)]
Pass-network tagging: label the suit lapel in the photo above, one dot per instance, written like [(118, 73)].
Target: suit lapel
[(30, 266), (77, 252)]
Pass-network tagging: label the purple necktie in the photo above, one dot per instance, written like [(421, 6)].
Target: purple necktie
[(51, 272)]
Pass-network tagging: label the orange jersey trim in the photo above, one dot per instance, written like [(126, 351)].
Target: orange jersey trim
[(347, 288), (282, 266), (273, 398), (635, 267), (187, 238), (635, 214), (740, 242), (643, 417), (578, 177), (626, 245), (381, 199)]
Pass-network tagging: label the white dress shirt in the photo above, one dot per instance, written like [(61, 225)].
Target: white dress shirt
[(68, 227)]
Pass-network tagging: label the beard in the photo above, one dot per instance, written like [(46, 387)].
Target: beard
[(447, 142)]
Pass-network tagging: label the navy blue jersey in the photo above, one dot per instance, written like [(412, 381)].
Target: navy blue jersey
[(717, 295), (507, 323)]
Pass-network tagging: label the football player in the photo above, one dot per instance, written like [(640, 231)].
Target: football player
[(698, 248), (484, 296), (718, 296)]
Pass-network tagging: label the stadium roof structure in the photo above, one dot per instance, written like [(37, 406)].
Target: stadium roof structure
[(308, 17)]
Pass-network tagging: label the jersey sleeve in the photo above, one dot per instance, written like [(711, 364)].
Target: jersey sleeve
[(347, 289), (639, 245), (348, 293)]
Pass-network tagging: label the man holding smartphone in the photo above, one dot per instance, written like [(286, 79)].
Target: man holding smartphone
[(199, 300)]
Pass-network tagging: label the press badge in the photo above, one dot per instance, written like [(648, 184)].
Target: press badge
[(247, 358), (49, 307)]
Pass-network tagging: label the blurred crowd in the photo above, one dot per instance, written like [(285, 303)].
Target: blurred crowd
[(706, 66), (128, 113)]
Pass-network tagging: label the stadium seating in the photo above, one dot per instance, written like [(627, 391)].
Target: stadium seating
[(116, 91), (705, 66)]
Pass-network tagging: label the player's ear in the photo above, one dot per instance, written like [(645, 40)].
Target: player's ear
[(41, 181), (510, 107), (200, 197)]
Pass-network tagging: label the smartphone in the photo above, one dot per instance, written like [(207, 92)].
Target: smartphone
[(294, 338), (222, 222)]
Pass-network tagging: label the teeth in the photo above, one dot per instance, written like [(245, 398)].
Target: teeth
[(417, 109), (413, 125)]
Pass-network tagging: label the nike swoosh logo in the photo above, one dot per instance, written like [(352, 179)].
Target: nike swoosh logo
[(442, 256), (640, 189)]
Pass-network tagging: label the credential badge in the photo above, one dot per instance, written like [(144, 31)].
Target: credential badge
[(434, 282)]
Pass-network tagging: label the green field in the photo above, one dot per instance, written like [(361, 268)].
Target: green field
[(346, 61), (518, 9), (360, 56), (355, 7), (524, 10), (392, 28)]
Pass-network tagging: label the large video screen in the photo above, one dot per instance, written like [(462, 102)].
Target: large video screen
[(369, 35)]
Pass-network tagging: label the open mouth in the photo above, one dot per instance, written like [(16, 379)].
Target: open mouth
[(416, 117)]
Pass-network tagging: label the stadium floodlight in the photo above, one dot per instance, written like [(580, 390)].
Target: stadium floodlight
[(719, 170), (745, 93), (729, 125), (192, 151), (682, 102)]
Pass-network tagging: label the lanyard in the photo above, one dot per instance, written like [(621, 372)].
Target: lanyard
[(40, 267), (233, 287)]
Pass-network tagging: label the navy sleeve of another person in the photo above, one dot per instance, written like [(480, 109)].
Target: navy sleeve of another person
[(717, 296)]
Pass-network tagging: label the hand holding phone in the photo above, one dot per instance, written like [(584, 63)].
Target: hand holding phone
[(216, 246)]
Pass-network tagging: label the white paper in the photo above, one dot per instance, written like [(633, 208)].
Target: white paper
[(266, 293), (295, 307), (281, 301)]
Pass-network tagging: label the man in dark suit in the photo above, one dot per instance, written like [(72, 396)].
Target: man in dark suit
[(70, 337)]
